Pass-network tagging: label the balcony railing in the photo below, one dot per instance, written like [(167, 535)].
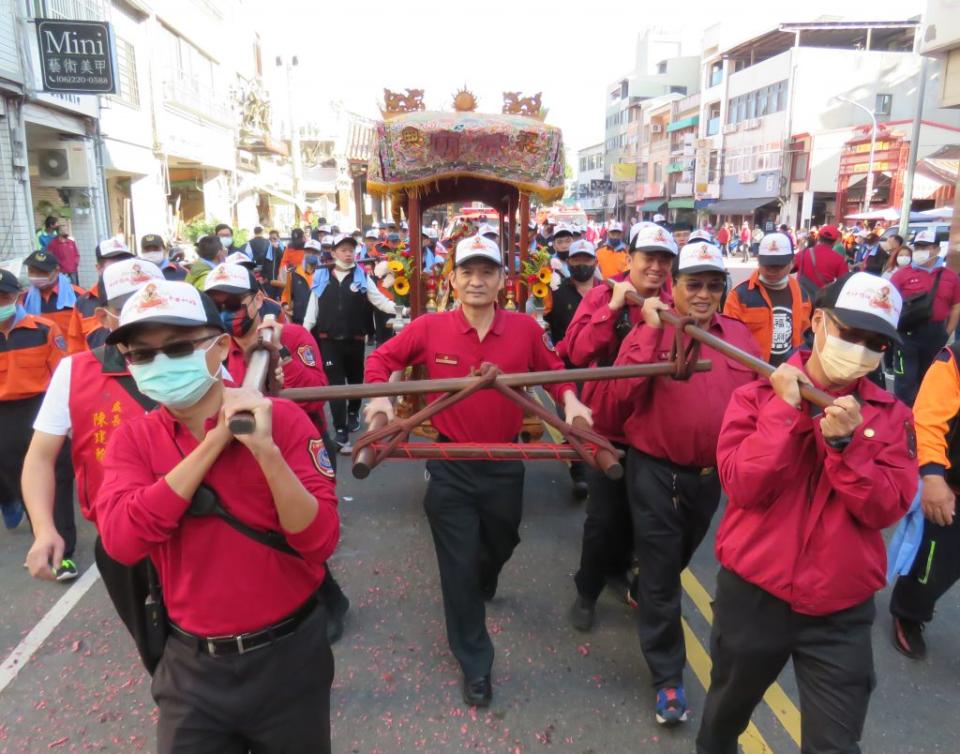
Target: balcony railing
[(186, 92)]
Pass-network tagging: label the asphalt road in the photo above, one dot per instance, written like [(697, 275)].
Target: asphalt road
[(397, 687)]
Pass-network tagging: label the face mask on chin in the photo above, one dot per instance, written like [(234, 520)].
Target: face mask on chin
[(777, 285), (153, 256), (844, 362), (921, 257), (344, 266), (7, 311)]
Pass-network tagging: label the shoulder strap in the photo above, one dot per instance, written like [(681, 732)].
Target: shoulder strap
[(126, 382), (936, 283)]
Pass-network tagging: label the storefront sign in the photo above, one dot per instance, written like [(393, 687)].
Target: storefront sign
[(76, 56)]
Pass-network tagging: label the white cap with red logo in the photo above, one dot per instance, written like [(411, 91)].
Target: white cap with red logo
[(654, 238), (775, 249), (228, 278), (700, 257), (478, 247), (166, 302), (865, 302), (122, 278)]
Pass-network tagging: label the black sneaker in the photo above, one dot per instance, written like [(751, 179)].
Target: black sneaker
[(353, 423), (478, 692), (908, 638), (343, 442), (67, 570), (582, 613)]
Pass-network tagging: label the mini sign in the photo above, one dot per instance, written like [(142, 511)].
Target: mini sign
[(76, 56)]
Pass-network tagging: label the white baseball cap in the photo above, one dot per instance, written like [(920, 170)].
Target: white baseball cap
[(431, 233), (324, 229), (562, 230), (925, 238), (228, 278), (335, 241), (238, 257), (701, 234), (658, 218), (478, 247), (404, 226), (866, 302), (654, 238), (166, 302), (488, 228), (582, 247), (113, 247), (616, 226), (637, 227), (700, 257), (372, 234), (775, 250), (124, 277)]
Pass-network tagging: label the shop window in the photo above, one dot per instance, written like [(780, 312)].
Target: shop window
[(884, 104)]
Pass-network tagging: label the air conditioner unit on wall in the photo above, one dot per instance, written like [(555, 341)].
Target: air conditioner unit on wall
[(61, 164), (656, 128)]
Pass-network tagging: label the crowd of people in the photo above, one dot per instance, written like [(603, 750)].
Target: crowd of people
[(128, 390)]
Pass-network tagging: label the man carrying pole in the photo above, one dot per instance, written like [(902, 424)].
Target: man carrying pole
[(474, 508)]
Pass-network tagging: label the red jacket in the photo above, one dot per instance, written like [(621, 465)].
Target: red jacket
[(679, 420), (804, 520), (830, 265), (66, 252), (591, 340)]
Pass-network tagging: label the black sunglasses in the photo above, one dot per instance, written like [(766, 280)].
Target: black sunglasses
[(232, 304), (176, 350), (714, 286), (859, 337)]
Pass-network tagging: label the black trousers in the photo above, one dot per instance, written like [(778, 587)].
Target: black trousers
[(343, 363), (274, 700), (936, 569), (914, 357), (16, 418), (671, 507), (382, 333), (753, 636), (607, 546), (474, 509)]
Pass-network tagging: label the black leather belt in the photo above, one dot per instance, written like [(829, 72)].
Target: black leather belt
[(238, 644)]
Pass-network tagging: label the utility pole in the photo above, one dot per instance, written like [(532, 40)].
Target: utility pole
[(914, 147)]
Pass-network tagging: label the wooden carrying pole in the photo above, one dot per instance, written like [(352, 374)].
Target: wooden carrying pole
[(256, 378), (522, 379), (807, 392)]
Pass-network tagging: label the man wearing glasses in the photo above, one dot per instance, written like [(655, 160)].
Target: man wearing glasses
[(239, 587), (239, 299), (810, 492), (672, 485)]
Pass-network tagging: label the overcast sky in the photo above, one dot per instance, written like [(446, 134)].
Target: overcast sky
[(569, 51)]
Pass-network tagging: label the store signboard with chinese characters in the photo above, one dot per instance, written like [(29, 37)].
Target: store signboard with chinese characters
[(76, 57)]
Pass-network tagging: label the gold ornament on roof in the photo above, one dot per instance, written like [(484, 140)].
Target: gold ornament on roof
[(464, 101), (514, 104), (395, 103)]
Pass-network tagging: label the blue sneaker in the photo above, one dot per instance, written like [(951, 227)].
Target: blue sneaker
[(671, 706), (12, 514)]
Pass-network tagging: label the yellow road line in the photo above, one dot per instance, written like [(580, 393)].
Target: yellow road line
[(776, 698), (752, 741)]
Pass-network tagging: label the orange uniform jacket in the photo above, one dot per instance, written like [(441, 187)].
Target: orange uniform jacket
[(85, 331), (610, 262), (28, 355), (935, 412), (62, 317), (750, 303)]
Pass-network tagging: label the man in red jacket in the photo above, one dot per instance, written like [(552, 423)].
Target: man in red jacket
[(593, 338), (672, 486), (238, 527), (65, 250), (818, 266), (800, 545)]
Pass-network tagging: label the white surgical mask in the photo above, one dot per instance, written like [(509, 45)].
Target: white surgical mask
[(778, 285), (156, 257), (903, 260), (921, 257), (42, 282), (845, 362), (344, 266), (226, 241)]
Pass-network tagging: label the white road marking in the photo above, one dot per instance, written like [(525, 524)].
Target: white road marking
[(22, 653)]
